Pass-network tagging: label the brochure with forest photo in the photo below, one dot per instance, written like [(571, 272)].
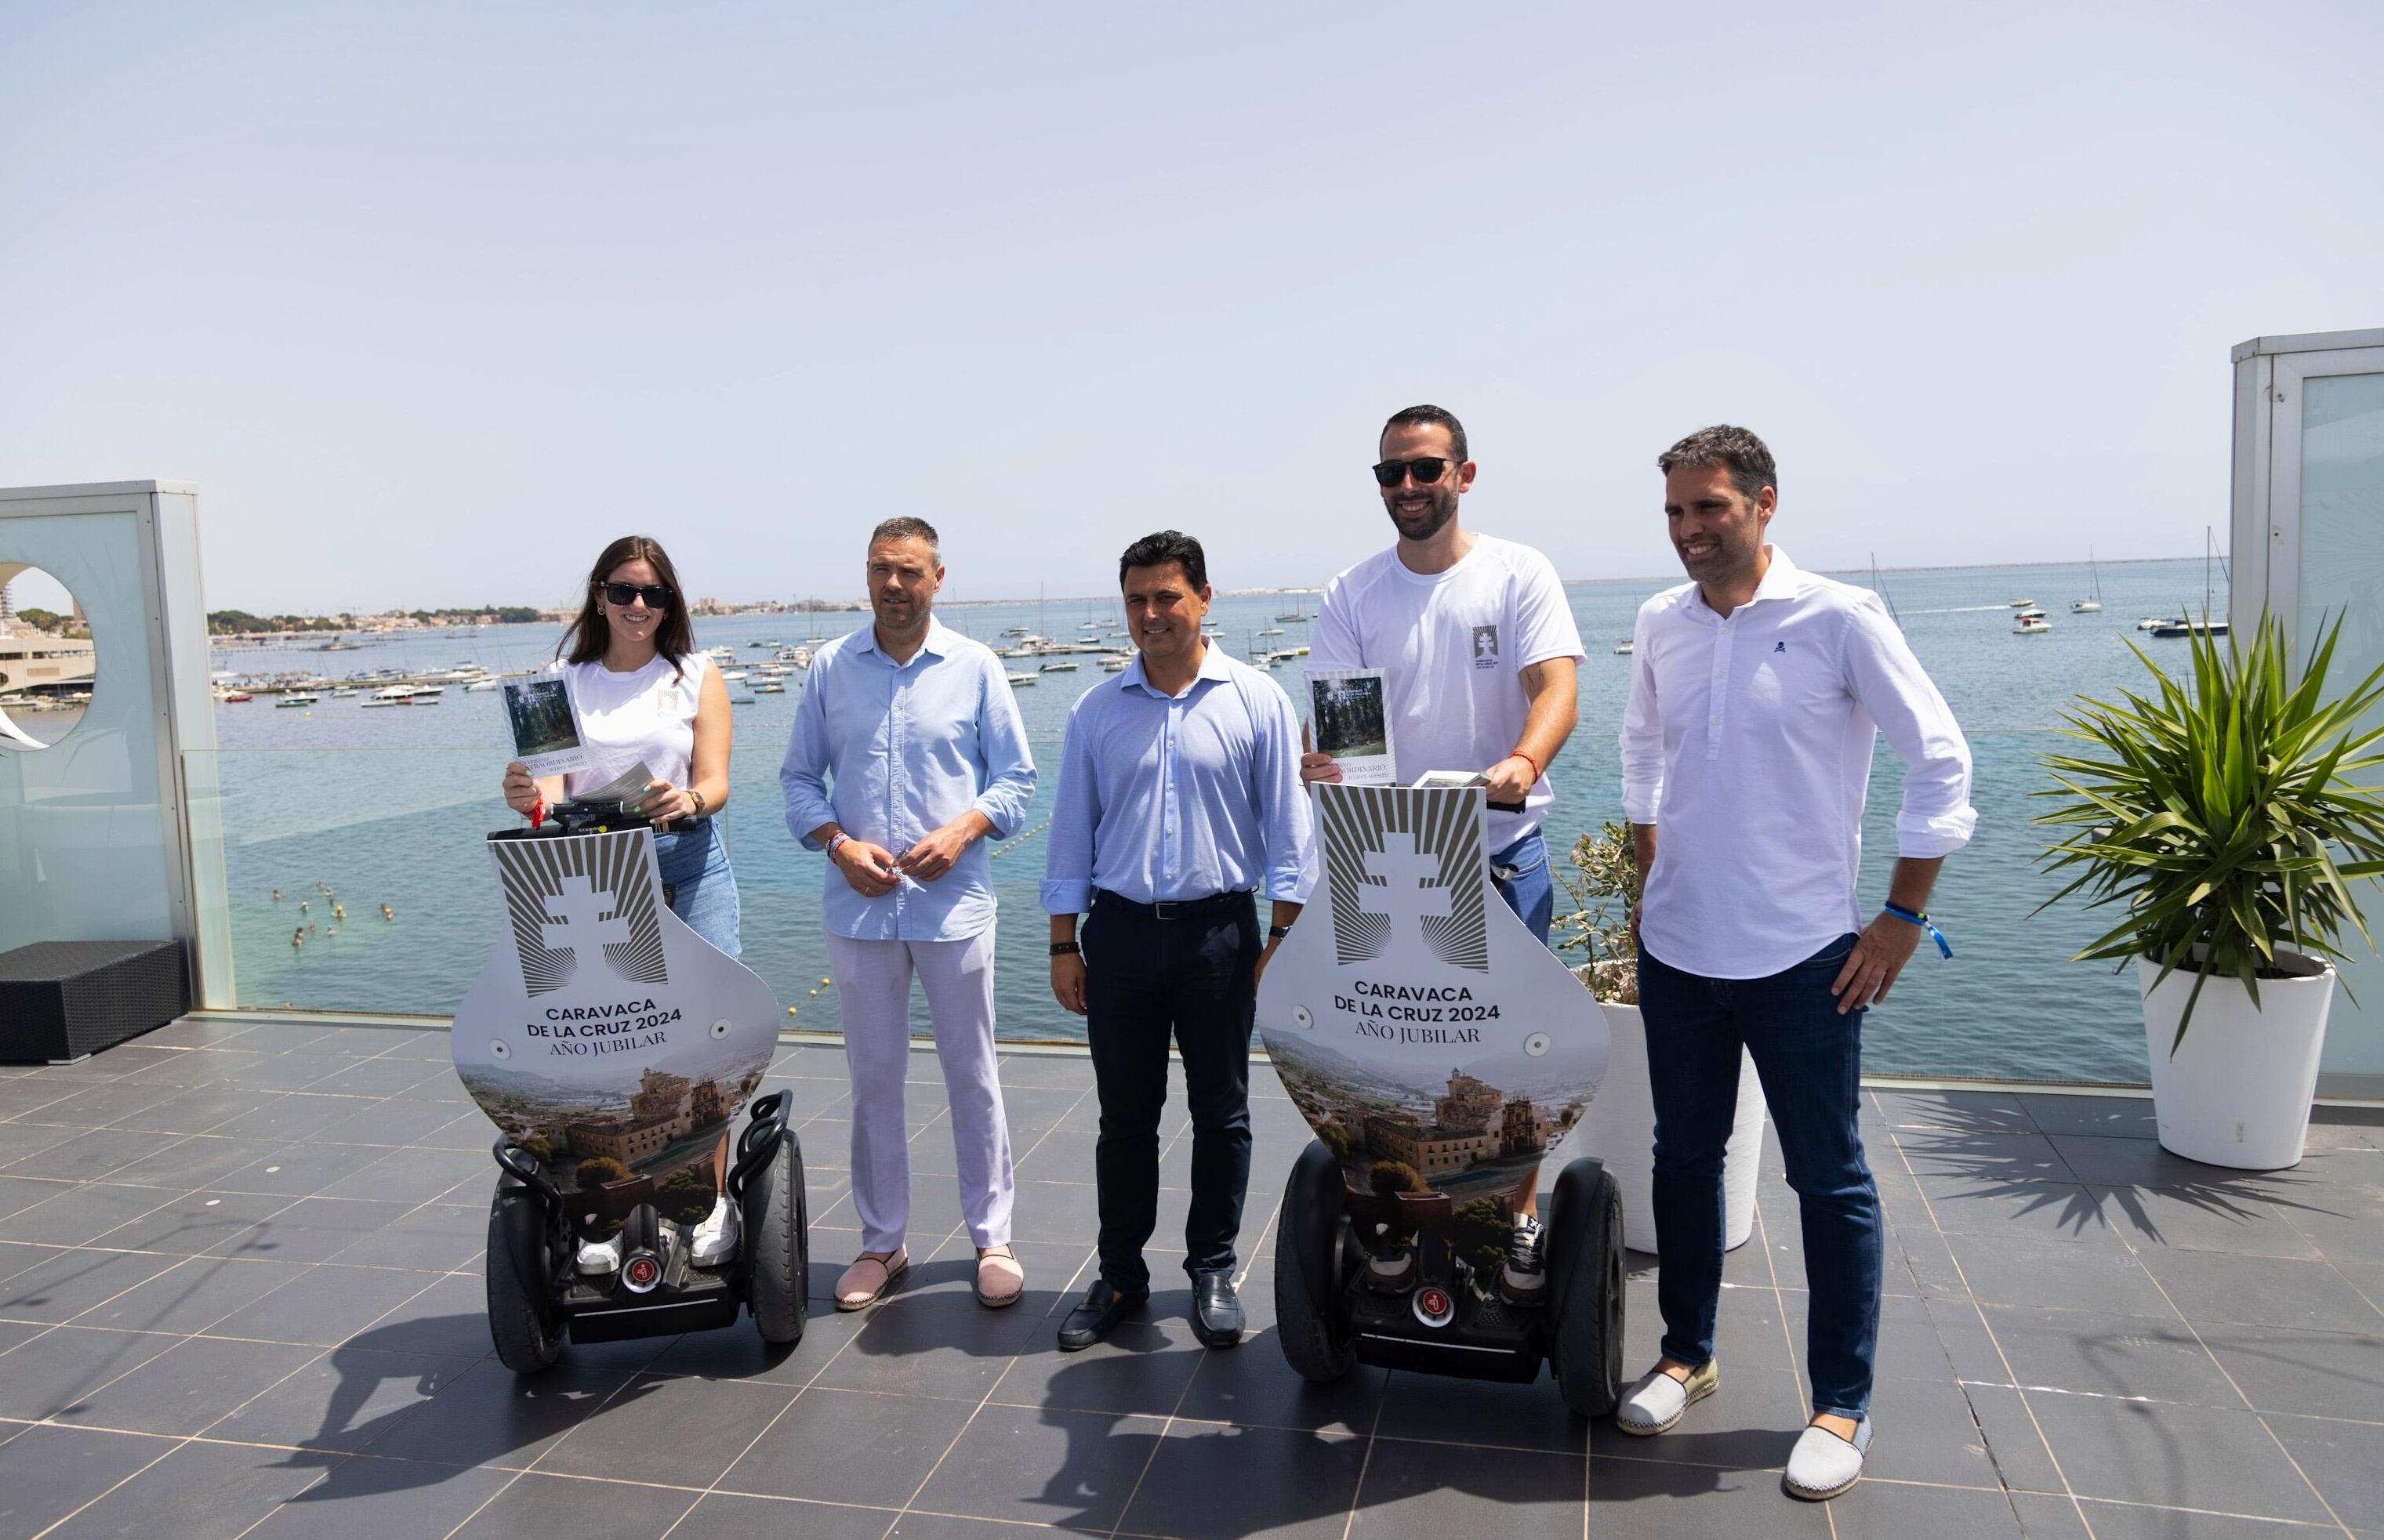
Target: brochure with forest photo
[(1353, 724), (546, 729)]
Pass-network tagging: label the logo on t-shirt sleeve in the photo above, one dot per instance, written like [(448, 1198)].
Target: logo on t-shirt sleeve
[(1485, 647)]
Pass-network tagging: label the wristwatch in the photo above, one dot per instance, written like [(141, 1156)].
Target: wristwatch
[(1276, 933), (1065, 949), (696, 798)]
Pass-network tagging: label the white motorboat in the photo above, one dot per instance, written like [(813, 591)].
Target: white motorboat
[(2191, 628), (2031, 622), (732, 676), (771, 689), (1018, 679), (296, 698), (481, 687), (1270, 631), (1115, 665), (1059, 668), (1624, 647), (2021, 604)]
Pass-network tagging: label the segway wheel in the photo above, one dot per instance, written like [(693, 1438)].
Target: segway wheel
[(1585, 1287), (1307, 1270), (777, 1255), (521, 1297)]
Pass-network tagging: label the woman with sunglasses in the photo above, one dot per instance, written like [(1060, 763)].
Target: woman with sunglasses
[(644, 694)]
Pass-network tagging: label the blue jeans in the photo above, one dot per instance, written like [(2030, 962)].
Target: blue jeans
[(1520, 872), (1809, 1059), (694, 861)]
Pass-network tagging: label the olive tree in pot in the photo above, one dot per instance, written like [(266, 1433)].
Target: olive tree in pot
[(2228, 823), (1619, 1128)]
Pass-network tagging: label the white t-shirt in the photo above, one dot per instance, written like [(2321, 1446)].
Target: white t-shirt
[(1453, 646), (646, 714)]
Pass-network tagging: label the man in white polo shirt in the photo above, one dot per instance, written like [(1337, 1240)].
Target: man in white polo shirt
[(1480, 653), (1757, 691)]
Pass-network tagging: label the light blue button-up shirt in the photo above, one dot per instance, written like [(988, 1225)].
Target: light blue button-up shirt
[(1180, 797), (890, 753)]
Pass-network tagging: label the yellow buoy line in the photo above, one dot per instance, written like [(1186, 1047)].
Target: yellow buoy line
[(1000, 851)]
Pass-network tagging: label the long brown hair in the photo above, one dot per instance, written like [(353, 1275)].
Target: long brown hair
[(589, 635)]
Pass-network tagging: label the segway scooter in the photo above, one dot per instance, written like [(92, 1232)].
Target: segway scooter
[(613, 1048), (1440, 1053)]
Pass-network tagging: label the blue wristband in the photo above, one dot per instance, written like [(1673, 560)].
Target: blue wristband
[(1945, 947)]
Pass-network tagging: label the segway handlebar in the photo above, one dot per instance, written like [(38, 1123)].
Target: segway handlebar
[(580, 818)]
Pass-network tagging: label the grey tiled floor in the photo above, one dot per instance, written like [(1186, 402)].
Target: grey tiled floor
[(240, 1295)]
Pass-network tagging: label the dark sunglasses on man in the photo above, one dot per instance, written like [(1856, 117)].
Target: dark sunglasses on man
[(622, 594), (1426, 470)]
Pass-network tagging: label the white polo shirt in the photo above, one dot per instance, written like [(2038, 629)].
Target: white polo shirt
[(1746, 741)]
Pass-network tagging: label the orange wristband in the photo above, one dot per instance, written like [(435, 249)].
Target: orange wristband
[(1536, 771)]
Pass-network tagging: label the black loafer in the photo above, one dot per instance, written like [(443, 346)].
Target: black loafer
[(1103, 1308), (1216, 1311)]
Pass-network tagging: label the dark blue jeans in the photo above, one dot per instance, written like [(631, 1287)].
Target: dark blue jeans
[(1146, 980), (1809, 1059)]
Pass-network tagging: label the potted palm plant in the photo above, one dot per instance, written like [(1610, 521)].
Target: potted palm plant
[(1619, 1126), (2227, 823)]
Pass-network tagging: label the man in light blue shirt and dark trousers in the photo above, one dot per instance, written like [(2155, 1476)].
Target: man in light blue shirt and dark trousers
[(908, 750), (1179, 803)]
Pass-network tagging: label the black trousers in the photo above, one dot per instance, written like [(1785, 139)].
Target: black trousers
[(1148, 979)]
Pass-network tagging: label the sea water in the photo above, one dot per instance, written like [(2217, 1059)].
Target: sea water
[(387, 806)]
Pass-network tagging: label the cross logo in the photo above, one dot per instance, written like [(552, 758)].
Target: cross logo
[(582, 920), (1403, 882)]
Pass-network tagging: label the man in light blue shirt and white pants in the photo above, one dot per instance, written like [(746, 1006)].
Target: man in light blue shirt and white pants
[(1179, 805), (907, 752)]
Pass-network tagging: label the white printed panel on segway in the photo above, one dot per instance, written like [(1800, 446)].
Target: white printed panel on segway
[(1429, 1038), (606, 1038)]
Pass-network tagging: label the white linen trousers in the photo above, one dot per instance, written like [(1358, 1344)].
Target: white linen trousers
[(873, 985)]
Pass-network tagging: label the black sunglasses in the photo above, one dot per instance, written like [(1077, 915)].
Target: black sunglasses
[(1426, 470), (622, 594)]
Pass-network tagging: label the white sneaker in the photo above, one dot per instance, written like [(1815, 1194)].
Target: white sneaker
[(600, 1259), (1657, 1401), (715, 1239), (1822, 1464), (1524, 1280)]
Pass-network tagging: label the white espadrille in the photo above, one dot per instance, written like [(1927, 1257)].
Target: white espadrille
[(1656, 1401), (1822, 1464)]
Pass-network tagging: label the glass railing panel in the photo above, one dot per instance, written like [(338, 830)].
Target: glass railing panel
[(388, 807)]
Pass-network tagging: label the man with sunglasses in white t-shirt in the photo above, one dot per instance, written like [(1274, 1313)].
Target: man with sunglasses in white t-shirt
[(1479, 652)]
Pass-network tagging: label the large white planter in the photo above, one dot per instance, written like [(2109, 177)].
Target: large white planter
[(2237, 1089), (1619, 1129)]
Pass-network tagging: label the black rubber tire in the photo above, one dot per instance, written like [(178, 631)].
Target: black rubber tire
[(778, 1245), (1585, 1243), (521, 1310), (1307, 1270)]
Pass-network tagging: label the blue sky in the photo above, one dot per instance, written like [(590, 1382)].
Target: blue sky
[(432, 299)]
